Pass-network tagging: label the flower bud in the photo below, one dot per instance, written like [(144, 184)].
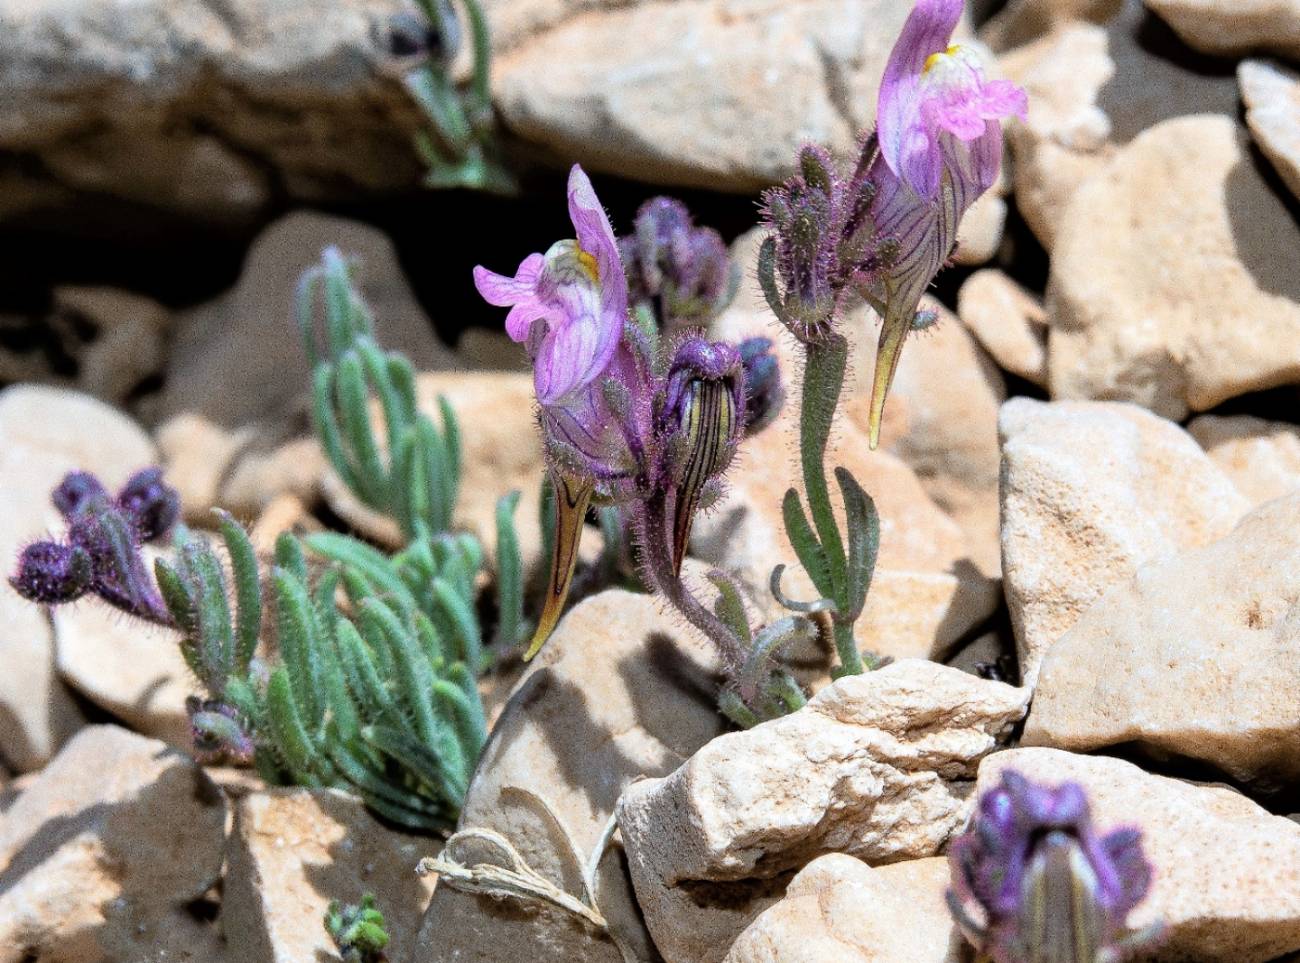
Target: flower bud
[(702, 422), (684, 269), (764, 391), (75, 492), (151, 504), (1034, 883), (801, 217), (218, 734), (51, 572)]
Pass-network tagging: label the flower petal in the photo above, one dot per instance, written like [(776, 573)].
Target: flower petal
[(905, 140)]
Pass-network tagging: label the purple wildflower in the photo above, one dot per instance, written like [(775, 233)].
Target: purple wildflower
[(940, 146), (569, 306), (764, 391), (1033, 882), (152, 504)]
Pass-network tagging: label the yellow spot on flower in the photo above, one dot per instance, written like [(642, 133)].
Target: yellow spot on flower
[(936, 58), (588, 262)]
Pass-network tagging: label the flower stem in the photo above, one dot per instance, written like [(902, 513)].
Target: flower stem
[(657, 561), (823, 379)]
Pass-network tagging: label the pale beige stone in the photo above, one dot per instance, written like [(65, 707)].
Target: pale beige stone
[(267, 473), (1009, 322), (713, 94), (619, 692), (1272, 96), (1261, 457), (979, 235), (1197, 656), (1091, 491), (196, 455), (285, 513), (126, 666), (1092, 88), (839, 908), (1227, 872), (1022, 21), (292, 851), (1234, 26), (876, 766), (128, 345), (44, 434), (239, 358), (105, 846), (1189, 299)]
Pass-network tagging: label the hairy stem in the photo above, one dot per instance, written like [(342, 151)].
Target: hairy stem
[(655, 537), (823, 381)]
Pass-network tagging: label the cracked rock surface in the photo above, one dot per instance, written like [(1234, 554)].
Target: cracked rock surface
[(877, 766)]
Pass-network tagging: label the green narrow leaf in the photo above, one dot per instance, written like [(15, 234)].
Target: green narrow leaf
[(463, 621), (354, 415), (402, 374), (862, 532), (248, 591), (452, 441), (730, 607), (176, 598), (328, 432), (434, 470), (804, 540), (288, 556), (287, 729), (208, 587), (390, 402), (510, 575), (297, 632), (363, 678)]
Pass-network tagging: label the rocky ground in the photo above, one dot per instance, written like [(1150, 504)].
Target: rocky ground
[(1089, 478)]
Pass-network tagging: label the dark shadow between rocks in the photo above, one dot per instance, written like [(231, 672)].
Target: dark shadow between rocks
[(1257, 227)]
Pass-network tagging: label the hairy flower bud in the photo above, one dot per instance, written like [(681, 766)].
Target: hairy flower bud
[(51, 572), (1034, 883), (152, 504), (75, 492), (108, 536), (684, 272), (218, 734), (764, 390), (702, 422), (802, 218)]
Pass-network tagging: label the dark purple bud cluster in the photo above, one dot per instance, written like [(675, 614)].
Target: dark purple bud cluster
[(101, 552), (1033, 882), (682, 271), (823, 240)]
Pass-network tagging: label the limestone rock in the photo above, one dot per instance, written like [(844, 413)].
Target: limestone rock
[(839, 908), (205, 112), (1227, 873), (980, 233), (269, 471), (197, 454), (1196, 655), (1091, 491), (617, 693), (1261, 457), (1022, 21), (292, 851), (104, 847), (1009, 322), (44, 434), (1189, 300), (717, 93), (239, 358), (875, 766), (124, 337), (1272, 96), (1092, 88), (1234, 26), (126, 666)]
